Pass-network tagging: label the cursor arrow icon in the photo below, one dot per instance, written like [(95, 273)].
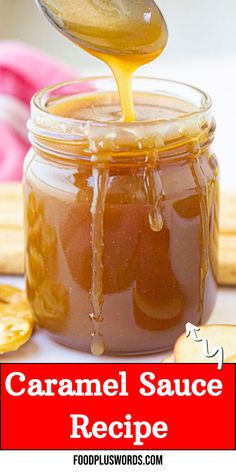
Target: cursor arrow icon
[(192, 330)]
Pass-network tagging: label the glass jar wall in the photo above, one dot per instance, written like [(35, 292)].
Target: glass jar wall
[(121, 218)]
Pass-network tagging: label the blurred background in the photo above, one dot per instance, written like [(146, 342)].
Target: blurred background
[(201, 50)]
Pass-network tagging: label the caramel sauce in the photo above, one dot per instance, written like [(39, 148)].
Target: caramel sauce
[(100, 178), (131, 237), (126, 35)]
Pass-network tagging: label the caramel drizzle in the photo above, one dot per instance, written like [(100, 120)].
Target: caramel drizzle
[(154, 196), (198, 176), (100, 177), (213, 202)]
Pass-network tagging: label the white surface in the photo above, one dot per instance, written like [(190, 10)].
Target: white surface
[(42, 349)]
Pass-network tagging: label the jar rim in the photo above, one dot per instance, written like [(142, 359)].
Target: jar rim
[(38, 102), (97, 138)]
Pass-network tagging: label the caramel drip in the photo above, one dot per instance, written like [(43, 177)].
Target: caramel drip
[(154, 196), (123, 69), (100, 177), (213, 191), (123, 73), (212, 182), (202, 189)]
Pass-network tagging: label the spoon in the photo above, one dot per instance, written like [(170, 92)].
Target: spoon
[(115, 27)]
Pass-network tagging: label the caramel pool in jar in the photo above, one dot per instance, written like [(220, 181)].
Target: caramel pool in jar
[(121, 218)]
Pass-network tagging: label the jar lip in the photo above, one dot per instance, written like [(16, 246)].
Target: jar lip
[(38, 105)]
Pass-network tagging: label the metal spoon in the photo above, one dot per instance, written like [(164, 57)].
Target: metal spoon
[(116, 27)]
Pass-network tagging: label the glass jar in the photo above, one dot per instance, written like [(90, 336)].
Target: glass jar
[(121, 219)]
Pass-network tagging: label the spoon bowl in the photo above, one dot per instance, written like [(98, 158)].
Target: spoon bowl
[(116, 27)]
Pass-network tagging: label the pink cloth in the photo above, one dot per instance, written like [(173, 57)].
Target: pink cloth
[(23, 71)]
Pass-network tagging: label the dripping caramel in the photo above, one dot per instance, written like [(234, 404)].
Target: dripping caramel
[(128, 240)]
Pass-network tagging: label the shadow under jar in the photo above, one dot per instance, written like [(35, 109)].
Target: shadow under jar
[(121, 219)]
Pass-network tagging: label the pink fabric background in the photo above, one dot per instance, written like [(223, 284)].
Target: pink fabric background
[(23, 71)]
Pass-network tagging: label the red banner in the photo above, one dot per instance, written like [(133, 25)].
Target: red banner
[(117, 406)]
